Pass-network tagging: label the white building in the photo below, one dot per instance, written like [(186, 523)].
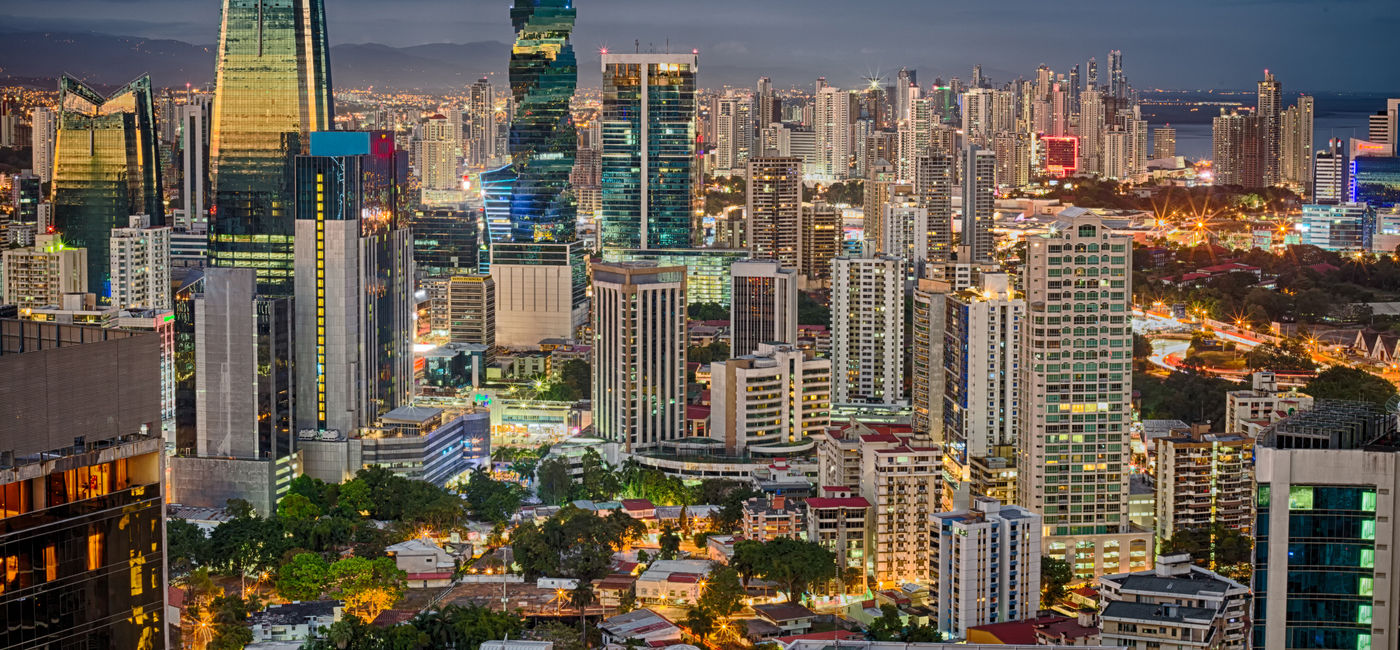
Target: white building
[(833, 127), (140, 265), (435, 155), (905, 228), (1175, 606), (39, 276), (763, 305), (294, 621), (979, 171), (1263, 404), (867, 337), (1076, 393), (44, 137), (984, 566), (673, 582), (639, 353), (1344, 228), (778, 395), (773, 199)]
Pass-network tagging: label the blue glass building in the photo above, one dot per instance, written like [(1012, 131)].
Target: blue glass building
[(1376, 181)]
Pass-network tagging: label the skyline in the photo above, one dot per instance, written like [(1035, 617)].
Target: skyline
[(1173, 47)]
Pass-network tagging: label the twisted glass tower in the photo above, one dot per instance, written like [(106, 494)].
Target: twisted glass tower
[(543, 73), (106, 168), (273, 89)]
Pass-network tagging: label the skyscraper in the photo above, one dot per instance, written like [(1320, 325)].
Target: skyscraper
[(648, 153), (639, 353), (978, 201), (140, 265), (774, 198), (833, 126), (194, 158), (1331, 179), (435, 156), (777, 394), (763, 306), (106, 168), (1117, 83), (1163, 142), (1296, 143), (1236, 150), (480, 136), (353, 283), (1076, 389), (1268, 109), (819, 242), (867, 330), (44, 123), (273, 89)]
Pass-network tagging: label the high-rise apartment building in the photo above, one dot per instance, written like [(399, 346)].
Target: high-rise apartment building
[(1268, 108), (1236, 149), (867, 330), (1092, 118), (979, 201), (1076, 391), (194, 118), (763, 306), (933, 185), (1174, 605), (40, 275), (140, 265), (44, 122), (965, 588), (977, 116), (639, 352), (106, 168), (1204, 480), (1163, 142), (981, 364), (774, 203), (774, 396), (1296, 143), (435, 154), (648, 150), (354, 283), (1324, 549), (81, 494), (1013, 156), (833, 126), (837, 520), (905, 228), (273, 89), (926, 340), (819, 241), (1117, 154), (479, 137), (1248, 411), (731, 115)]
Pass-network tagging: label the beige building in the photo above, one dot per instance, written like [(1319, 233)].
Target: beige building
[(1175, 606), (774, 208), (1248, 411), (1204, 479), (838, 520), (471, 309), (39, 276), (778, 396)]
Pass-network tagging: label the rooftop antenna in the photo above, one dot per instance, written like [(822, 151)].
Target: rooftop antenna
[(637, 44)]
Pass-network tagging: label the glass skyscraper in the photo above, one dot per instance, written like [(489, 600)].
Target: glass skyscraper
[(648, 157), (543, 74), (273, 88), (106, 168), (1376, 181)]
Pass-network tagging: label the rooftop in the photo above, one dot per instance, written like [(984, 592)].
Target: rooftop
[(294, 613)]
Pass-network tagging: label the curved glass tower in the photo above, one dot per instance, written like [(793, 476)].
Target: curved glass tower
[(106, 168), (543, 74), (273, 88)]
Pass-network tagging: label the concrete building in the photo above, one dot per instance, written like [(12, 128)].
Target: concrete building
[(639, 353), (435, 155), (837, 519), (927, 343), (1163, 142), (1175, 606), (295, 621), (906, 231), (1326, 510), (672, 582), (1078, 302), (768, 518), (541, 291), (707, 270), (965, 588), (763, 305), (39, 276), (832, 120), (867, 340), (471, 310), (979, 202), (819, 242), (774, 209), (140, 259), (1204, 479), (81, 487), (1246, 411), (1343, 228), (777, 396)]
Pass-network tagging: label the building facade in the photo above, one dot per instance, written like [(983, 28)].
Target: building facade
[(777, 395), (867, 337), (140, 265), (984, 566), (763, 306), (639, 353)]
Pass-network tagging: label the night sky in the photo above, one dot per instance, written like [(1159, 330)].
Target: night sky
[(1312, 45)]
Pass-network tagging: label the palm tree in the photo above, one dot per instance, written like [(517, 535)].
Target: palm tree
[(581, 597)]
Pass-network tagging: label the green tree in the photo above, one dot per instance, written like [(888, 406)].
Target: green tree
[(889, 626), (700, 621), (368, 587), (489, 499), (707, 311), (1218, 548), (577, 375), (187, 546), (596, 481), (1339, 382), (230, 612), (1055, 576), (794, 565), (811, 312), (723, 595), (670, 544), (302, 578), (246, 545), (354, 498), (555, 485)]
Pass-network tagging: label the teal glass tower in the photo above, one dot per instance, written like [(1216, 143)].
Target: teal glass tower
[(106, 168), (273, 89), (648, 157), (543, 74)]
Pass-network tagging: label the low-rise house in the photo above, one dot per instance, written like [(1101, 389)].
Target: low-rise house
[(611, 590), (788, 617), (1176, 605), (720, 548), (1045, 628), (517, 644), (771, 518), (675, 582), (426, 563), (644, 625), (294, 621)]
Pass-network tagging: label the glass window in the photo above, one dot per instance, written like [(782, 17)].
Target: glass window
[(1300, 497)]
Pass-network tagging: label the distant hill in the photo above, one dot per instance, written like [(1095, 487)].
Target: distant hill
[(37, 58)]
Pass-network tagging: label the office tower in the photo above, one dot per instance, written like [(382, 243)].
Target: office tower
[(1013, 156), (933, 185), (639, 323), (819, 241), (540, 291), (1062, 157), (867, 330), (1375, 181), (707, 270), (1163, 142), (194, 120), (1174, 605), (44, 123), (479, 137), (140, 265), (836, 519), (1296, 144), (435, 154), (1117, 154), (979, 201), (982, 397), (776, 395), (40, 275), (967, 590), (1092, 118), (648, 150), (833, 127), (1075, 88), (1331, 180), (926, 339), (763, 307), (234, 393), (977, 116), (1076, 391), (446, 242), (106, 168), (471, 310), (354, 284), (81, 493), (1268, 109), (1204, 480), (774, 204), (1325, 505), (273, 89), (1235, 144), (1341, 227)]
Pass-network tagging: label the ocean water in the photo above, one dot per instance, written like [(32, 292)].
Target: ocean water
[(1340, 115)]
